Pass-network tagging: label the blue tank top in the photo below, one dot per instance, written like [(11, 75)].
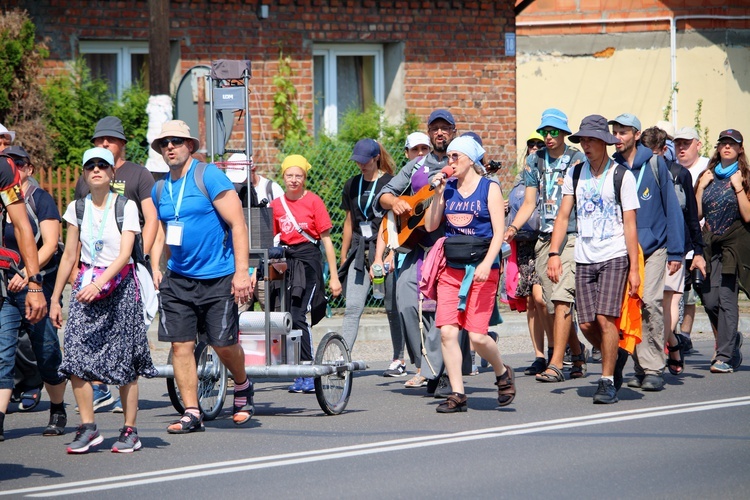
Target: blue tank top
[(468, 215)]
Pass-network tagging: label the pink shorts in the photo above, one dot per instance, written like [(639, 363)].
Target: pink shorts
[(479, 302)]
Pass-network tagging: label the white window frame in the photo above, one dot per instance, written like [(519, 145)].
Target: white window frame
[(329, 53), (123, 50)]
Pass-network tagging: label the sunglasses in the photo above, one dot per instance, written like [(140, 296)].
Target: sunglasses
[(453, 157), (101, 165), (535, 144), (177, 141), (552, 133)]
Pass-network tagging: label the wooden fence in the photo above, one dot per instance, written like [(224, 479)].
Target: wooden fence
[(60, 184)]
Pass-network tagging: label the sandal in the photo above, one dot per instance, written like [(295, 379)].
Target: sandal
[(676, 366), (187, 424), (456, 403), (556, 376), (506, 387), (537, 367), (416, 381), (241, 414), (30, 399), (56, 426), (579, 371)]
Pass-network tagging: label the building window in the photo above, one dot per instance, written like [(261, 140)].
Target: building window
[(120, 64), (345, 77)]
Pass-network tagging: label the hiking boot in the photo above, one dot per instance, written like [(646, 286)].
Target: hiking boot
[(87, 436), (128, 442), (395, 369), (652, 383), (56, 426), (605, 393)]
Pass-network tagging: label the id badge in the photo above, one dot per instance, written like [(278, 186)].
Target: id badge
[(550, 209), (587, 228), (366, 229), (174, 233), (88, 275)]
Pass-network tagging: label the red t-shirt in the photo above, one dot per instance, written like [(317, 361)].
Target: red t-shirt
[(310, 213)]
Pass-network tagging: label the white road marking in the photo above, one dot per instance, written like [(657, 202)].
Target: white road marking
[(241, 465)]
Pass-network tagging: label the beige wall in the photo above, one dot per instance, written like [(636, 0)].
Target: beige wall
[(612, 74)]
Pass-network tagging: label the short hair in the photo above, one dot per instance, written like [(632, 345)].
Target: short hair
[(654, 138)]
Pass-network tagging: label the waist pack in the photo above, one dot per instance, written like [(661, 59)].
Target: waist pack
[(463, 249), (91, 273)]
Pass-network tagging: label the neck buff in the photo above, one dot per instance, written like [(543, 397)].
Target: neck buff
[(722, 172)]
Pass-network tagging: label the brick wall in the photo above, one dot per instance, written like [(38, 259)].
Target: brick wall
[(454, 50)]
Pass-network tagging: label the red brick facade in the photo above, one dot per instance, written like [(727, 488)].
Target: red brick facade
[(454, 54)]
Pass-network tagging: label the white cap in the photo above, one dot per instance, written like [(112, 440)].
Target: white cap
[(687, 133), (416, 139), (104, 154), (5, 131), (666, 127)]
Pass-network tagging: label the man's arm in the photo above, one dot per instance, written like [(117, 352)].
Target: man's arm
[(229, 207), (631, 243), (150, 223), (36, 304), (554, 264)]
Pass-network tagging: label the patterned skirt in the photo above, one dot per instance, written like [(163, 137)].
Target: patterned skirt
[(526, 268), (107, 339)]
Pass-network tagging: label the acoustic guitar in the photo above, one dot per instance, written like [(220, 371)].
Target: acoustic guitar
[(402, 232)]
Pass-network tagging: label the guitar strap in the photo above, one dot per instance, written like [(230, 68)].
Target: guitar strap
[(295, 224)]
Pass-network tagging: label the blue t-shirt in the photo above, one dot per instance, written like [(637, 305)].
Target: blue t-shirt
[(469, 215), (206, 251)]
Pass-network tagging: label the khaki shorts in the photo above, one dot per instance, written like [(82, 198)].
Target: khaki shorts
[(676, 282), (564, 290)]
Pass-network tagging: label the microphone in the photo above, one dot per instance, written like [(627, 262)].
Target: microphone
[(444, 174)]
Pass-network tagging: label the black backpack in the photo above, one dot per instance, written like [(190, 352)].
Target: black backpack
[(617, 179)]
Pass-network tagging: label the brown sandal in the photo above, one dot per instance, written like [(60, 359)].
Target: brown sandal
[(506, 387), (455, 403)]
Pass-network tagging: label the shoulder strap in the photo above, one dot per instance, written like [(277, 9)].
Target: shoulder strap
[(617, 177), (120, 202), (200, 169), (295, 224), (269, 189), (576, 175), (654, 162), (674, 169), (28, 199), (80, 207)]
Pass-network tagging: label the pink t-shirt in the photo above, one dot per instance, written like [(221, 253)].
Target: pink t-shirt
[(310, 213)]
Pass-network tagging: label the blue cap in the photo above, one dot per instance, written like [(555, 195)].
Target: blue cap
[(627, 120), (365, 150), (101, 153), (474, 136), (553, 117), (441, 114)]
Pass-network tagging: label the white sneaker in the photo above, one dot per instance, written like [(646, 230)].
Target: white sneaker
[(395, 369)]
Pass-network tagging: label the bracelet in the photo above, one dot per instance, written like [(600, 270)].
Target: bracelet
[(514, 228), (553, 254), (739, 191), (97, 286), (35, 290)]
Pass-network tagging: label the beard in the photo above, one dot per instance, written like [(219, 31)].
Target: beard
[(441, 146)]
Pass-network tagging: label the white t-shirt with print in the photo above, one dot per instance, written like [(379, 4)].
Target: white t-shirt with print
[(601, 234), (89, 231)]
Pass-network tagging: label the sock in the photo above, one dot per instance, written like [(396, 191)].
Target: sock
[(57, 408), (196, 412), (611, 379), (686, 334), (240, 401)]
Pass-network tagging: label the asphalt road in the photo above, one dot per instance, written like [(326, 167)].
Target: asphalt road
[(691, 440)]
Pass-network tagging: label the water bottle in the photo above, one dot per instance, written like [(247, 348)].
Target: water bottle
[(698, 279), (505, 250), (378, 283)]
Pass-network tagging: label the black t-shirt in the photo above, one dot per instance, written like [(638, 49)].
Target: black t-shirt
[(354, 199)]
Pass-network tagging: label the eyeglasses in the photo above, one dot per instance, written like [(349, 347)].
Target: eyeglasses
[(295, 177), (453, 157), (552, 133), (101, 165), (177, 141), (444, 128), (535, 144)]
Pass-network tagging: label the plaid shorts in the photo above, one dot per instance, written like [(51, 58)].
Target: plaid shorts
[(600, 288)]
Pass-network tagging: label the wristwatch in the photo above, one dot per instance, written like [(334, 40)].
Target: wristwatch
[(553, 254), (36, 278)]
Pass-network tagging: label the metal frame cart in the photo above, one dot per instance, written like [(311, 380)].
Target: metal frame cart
[(332, 367)]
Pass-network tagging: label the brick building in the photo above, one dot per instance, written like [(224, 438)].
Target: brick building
[(414, 55)]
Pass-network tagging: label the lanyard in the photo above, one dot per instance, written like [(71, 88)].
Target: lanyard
[(97, 244), (182, 191), (549, 177), (369, 199), (640, 178), (598, 191)]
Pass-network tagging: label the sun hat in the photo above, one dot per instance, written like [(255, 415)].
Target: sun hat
[(468, 146), (666, 127), (175, 128), (594, 126), (416, 139), (365, 150), (101, 153), (553, 117), (5, 131), (441, 114), (627, 120), (295, 161), (688, 133), (729, 133), (109, 126)]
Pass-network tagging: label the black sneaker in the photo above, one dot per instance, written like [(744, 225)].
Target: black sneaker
[(395, 369), (652, 383), (605, 394), (622, 358)]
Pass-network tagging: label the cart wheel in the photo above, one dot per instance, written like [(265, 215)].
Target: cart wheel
[(212, 383), (333, 390)]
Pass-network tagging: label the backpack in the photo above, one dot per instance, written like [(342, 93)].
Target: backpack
[(617, 179), (139, 257), (675, 169), (31, 211), (530, 230)]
